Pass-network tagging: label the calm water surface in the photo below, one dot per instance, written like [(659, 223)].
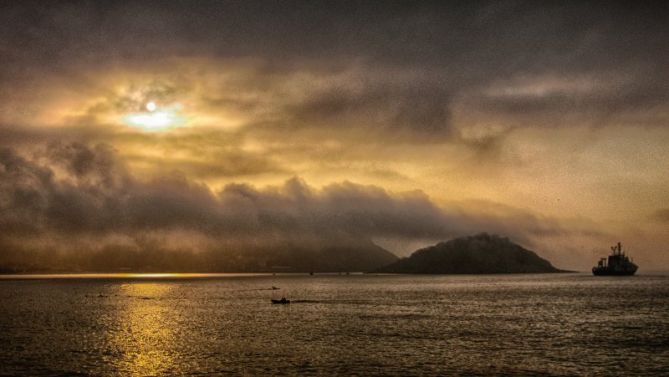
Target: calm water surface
[(557, 324)]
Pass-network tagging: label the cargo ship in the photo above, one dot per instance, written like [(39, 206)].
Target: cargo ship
[(617, 264)]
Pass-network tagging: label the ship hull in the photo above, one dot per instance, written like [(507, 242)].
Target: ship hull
[(607, 272)]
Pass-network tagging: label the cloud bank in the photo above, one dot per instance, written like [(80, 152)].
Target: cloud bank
[(542, 121), (79, 204)]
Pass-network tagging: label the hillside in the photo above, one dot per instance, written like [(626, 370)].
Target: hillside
[(334, 254), (480, 254)]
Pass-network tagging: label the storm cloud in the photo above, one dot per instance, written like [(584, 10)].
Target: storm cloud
[(70, 194), (399, 122), (445, 53)]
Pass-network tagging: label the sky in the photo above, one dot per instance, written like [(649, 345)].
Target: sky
[(171, 127)]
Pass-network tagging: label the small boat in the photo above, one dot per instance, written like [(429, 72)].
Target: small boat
[(282, 301)]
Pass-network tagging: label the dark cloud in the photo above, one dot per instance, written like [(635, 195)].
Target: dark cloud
[(403, 89), (416, 32), (580, 101), (73, 192), (459, 50), (386, 107)]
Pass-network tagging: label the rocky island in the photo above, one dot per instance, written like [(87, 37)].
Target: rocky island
[(479, 254)]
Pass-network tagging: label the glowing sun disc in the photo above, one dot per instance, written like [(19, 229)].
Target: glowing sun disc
[(156, 119)]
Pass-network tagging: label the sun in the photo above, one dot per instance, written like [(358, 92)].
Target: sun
[(156, 117), (151, 106)]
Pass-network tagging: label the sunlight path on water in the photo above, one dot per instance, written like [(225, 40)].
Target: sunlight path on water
[(550, 324)]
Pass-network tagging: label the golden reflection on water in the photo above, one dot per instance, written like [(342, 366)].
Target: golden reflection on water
[(130, 275), (156, 275), (143, 339)]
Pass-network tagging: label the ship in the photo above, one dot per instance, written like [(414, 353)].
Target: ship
[(617, 264)]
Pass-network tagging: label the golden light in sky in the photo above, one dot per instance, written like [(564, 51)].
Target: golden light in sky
[(152, 151), (151, 106), (156, 118), (559, 148)]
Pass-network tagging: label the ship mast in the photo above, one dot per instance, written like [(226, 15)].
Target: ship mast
[(618, 249)]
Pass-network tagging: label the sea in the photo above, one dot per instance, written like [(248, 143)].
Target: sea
[(566, 324)]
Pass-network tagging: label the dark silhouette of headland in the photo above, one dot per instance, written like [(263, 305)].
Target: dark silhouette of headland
[(479, 254)]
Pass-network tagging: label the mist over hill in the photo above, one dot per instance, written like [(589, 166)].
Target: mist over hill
[(304, 255), (75, 207), (479, 254)]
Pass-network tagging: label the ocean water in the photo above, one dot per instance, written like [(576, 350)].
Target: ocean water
[(555, 324)]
